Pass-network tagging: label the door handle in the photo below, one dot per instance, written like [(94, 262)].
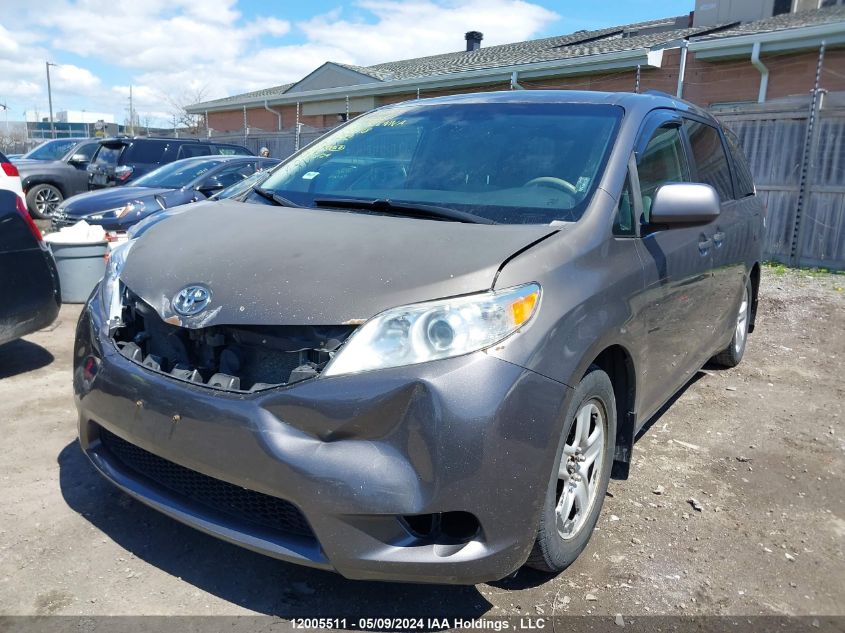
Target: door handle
[(718, 238), (704, 246)]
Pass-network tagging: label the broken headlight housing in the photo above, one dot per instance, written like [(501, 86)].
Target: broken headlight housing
[(111, 297), (436, 329)]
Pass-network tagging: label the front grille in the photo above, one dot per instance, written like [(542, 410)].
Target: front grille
[(245, 505)]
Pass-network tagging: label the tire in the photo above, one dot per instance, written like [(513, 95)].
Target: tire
[(42, 200), (559, 542), (732, 354)]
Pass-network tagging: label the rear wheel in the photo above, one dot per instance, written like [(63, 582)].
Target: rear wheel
[(581, 473), (43, 200), (732, 354)]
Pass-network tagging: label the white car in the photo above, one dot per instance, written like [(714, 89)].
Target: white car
[(9, 177)]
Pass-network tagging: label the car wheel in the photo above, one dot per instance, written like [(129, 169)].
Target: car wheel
[(732, 354), (580, 476), (43, 200)]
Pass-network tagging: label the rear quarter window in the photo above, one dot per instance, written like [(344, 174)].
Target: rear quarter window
[(742, 172), (144, 152), (3, 158)]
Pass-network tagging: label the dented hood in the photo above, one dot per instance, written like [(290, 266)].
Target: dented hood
[(283, 266)]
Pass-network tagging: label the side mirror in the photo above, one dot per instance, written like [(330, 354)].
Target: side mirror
[(78, 159), (210, 186), (684, 203)]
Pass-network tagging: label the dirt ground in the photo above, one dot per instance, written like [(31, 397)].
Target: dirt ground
[(760, 448)]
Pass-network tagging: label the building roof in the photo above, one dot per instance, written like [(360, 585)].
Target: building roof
[(246, 96), (783, 22), (651, 35)]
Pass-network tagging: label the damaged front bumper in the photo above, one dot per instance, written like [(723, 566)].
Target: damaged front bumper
[(428, 473)]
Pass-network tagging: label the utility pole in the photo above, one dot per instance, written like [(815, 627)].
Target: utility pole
[(6, 112), (131, 113), (50, 99)]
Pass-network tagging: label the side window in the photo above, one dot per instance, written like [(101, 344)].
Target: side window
[(189, 150), (663, 161), (623, 224), (229, 150), (711, 162), (744, 179), (87, 150), (232, 174), (145, 152)]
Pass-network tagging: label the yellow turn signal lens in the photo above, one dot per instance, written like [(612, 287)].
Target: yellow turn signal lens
[(523, 308)]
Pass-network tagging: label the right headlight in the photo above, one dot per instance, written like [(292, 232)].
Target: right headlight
[(110, 288), (436, 329)]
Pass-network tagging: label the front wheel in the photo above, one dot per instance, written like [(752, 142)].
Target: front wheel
[(43, 200), (581, 473), (732, 354)]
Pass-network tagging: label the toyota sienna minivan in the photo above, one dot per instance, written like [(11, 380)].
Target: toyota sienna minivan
[(421, 347)]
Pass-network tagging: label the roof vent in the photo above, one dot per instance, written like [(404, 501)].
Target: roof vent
[(473, 39)]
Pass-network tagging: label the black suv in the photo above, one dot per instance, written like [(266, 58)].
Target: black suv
[(122, 159)]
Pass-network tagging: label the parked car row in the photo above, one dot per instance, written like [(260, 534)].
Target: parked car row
[(181, 182), (61, 168)]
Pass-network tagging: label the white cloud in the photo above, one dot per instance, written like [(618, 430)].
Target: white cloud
[(69, 78), (424, 27), (173, 47)]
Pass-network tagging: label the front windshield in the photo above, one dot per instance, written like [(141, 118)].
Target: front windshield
[(513, 163), (176, 175), (51, 150)]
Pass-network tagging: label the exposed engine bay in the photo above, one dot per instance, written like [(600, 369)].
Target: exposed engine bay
[(232, 358)]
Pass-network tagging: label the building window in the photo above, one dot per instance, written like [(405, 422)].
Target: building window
[(782, 6)]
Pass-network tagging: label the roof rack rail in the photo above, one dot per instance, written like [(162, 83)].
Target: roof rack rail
[(660, 93)]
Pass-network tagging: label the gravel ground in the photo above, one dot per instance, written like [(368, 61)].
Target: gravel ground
[(760, 448)]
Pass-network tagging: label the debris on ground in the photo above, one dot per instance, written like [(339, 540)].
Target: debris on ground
[(695, 504)]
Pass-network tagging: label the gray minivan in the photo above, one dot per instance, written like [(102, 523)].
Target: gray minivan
[(424, 344)]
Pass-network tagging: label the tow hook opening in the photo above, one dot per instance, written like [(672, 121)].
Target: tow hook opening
[(442, 527)]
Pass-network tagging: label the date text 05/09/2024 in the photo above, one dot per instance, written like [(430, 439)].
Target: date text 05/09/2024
[(411, 624)]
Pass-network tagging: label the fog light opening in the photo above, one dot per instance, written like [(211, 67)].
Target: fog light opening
[(442, 527)]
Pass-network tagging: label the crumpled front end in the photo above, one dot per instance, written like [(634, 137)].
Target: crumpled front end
[(427, 473)]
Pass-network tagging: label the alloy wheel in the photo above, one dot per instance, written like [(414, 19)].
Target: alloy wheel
[(46, 201), (741, 324), (580, 468)]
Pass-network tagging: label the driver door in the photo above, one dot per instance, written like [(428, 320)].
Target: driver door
[(678, 264)]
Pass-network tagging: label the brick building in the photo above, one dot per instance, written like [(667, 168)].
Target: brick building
[(714, 57)]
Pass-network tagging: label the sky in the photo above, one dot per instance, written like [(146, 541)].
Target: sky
[(172, 51)]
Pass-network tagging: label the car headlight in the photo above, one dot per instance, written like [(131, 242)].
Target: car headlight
[(110, 288), (436, 329)]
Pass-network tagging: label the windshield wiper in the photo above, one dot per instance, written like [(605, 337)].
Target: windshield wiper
[(272, 196), (403, 208)]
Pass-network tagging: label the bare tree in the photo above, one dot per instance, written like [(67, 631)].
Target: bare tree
[(177, 106), (14, 137)]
